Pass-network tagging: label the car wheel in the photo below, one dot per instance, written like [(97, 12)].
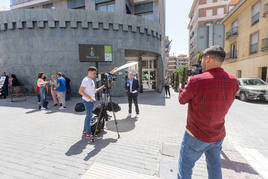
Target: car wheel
[(243, 97)]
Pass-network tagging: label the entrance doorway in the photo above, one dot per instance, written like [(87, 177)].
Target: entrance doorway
[(149, 77), (264, 74)]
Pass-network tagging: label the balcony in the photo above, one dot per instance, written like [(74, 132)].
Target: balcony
[(264, 44), (231, 56), (232, 33), (265, 10)]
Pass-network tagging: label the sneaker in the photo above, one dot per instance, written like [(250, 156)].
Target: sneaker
[(84, 133), (39, 107), (61, 108), (88, 136), (42, 108), (137, 115), (55, 104), (129, 115), (60, 104)]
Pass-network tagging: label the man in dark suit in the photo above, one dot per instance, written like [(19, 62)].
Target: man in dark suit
[(132, 86)]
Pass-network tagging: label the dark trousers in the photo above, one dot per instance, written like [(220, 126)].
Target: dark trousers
[(167, 90), (133, 97)]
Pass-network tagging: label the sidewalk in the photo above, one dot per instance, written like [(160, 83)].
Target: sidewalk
[(48, 144)]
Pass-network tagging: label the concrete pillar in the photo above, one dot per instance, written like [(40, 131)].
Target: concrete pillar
[(140, 73), (91, 5), (120, 6), (156, 12)]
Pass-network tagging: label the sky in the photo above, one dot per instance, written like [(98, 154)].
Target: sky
[(177, 20), (176, 23), (4, 4)]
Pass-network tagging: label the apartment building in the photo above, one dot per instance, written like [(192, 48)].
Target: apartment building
[(204, 27), (246, 39)]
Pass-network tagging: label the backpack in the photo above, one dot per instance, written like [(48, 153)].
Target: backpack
[(79, 107)]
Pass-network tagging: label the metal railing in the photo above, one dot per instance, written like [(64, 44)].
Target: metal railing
[(255, 19), (265, 10), (264, 44), (231, 56), (231, 33), (253, 48)]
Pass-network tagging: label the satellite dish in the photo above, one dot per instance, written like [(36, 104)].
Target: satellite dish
[(126, 66)]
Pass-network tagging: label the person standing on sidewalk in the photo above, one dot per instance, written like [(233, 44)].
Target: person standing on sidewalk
[(132, 86), (61, 89), (42, 85), (87, 91), (4, 84), (54, 93), (167, 86), (210, 95)]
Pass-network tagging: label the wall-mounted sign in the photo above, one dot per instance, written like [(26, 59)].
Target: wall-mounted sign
[(95, 53)]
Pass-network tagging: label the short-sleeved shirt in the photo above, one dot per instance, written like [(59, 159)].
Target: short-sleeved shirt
[(89, 85), (62, 82)]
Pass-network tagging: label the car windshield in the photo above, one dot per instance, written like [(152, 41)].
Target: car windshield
[(252, 82)]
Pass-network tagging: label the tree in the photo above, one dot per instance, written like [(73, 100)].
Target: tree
[(184, 77)]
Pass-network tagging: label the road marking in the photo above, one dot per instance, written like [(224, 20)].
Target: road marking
[(103, 171), (255, 159)]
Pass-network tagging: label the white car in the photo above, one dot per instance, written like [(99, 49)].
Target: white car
[(252, 89)]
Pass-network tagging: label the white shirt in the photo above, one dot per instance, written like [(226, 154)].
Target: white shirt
[(89, 85)]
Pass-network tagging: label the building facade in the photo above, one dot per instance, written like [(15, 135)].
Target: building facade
[(204, 27), (62, 35), (177, 61), (246, 39)]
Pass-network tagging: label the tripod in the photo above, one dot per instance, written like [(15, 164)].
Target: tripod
[(106, 99)]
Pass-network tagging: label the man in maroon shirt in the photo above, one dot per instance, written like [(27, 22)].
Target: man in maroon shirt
[(209, 96)]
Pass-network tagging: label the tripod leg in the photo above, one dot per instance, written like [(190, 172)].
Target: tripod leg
[(115, 121), (99, 118)]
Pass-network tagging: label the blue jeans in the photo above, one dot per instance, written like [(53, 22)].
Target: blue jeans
[(192, 149), (42, 95), (89, 108)]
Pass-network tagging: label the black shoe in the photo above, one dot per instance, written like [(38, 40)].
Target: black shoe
[(39, 107), (60, 104), (55, 104)]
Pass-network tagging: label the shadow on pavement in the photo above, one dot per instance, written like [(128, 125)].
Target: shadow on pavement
[(99, 144), (124, 125), (236, 166)]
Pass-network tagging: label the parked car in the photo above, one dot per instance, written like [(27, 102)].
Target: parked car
[(252, 89)]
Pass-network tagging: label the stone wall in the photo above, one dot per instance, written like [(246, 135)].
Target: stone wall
[(45, 40)]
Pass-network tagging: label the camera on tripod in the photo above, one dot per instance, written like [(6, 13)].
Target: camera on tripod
[(107, 79)]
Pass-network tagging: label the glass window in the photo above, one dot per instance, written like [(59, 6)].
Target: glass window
[(209, 13), (148, 16), (220, 11), (254, 43), (106, 7), (235, 26), (48, 6), (12, 2), (255, 13)]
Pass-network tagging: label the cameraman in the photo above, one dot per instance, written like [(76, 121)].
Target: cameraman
[(210, 95), (87, 91)]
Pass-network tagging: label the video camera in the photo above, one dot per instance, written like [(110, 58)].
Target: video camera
[(106, 79), (197, 70)]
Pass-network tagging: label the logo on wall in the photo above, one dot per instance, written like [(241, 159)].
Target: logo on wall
[(95, 53), (92, 53)]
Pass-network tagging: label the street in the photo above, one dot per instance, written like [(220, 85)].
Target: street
[(48, 143)]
